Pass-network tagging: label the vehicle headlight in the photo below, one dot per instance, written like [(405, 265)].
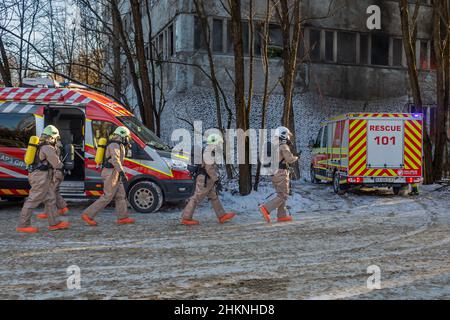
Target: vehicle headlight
[(176, 164)]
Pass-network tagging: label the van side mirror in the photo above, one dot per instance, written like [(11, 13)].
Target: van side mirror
[(311, 143)]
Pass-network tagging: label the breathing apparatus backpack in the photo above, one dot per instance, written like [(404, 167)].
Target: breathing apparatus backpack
[(32, 155), (32, 148), (100, 153)]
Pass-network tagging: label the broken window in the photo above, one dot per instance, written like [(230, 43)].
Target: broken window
[(171, 41), (364, 49), (259, 37), (346, 47), (245, 38), (423, 55), (329, 46), (217, 35), (433, 62), (275, 35), (199, 35), (380, 49), (314, 43), (397, 52), (161, 45)]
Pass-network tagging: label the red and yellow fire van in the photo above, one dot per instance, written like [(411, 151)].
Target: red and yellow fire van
[(83, 117), (372, 149)]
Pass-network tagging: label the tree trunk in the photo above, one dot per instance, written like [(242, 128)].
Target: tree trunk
[(265, 102), (117, 65), (409, 46), (239, 93), (5, 70), (148, 116), (291, 30), (442, 52)]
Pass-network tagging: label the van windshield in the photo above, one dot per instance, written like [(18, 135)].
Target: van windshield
[(143, 133)]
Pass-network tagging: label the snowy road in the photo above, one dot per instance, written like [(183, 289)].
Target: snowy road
[(323, 254)]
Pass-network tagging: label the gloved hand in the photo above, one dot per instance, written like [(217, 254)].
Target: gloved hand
[(123, 177)]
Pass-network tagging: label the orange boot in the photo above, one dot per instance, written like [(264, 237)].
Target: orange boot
[(265, 213), (285, 219), (28, 230), (226, 217), (125, 221), (60, 226), (89, 220), (189, 222), (63, 211)]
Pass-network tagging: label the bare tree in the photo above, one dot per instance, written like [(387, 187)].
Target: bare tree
[(409, 31), (5, 70), (441, 44), (239, 93)]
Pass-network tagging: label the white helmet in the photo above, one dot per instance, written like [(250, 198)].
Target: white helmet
[(283, 133)]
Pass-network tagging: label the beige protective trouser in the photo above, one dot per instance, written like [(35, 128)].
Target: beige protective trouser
[(41, 191), (280, 181), (202, 191), (112, 189), (60, 202)]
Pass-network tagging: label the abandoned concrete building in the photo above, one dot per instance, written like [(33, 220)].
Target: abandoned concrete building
[(345, 67)]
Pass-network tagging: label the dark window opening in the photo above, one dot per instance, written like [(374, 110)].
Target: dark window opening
[(217, 35), (199, 35), (314, 42), (364, 49), (171, 41), (397, 52), (329, 46), (423, 54), (380, 49), (346, 47)]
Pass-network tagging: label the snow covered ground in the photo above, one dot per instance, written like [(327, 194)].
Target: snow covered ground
[(323, 254)]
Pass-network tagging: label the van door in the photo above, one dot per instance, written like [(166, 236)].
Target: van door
[(70, 121)]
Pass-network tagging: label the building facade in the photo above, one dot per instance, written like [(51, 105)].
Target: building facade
[(345, 67)]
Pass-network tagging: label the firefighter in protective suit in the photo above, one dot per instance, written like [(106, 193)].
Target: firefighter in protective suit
[(113, 176), (280, 179), (205, 186), (41, 177), (61, 204)]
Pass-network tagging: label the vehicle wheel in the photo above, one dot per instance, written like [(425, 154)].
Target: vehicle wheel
[(146, 197), (337, 187), (312, 175)]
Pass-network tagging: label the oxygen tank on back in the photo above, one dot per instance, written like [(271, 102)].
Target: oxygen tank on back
[(30, 154), (101, 148)]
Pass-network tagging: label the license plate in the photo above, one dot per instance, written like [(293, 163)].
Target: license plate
[(384, 180)]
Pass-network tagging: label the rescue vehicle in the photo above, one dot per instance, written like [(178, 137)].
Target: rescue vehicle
[(83, 117), (368, 149)]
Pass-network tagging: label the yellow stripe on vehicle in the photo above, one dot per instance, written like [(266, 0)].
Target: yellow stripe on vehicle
[(410, 154), (354, 131), (151, 168)]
